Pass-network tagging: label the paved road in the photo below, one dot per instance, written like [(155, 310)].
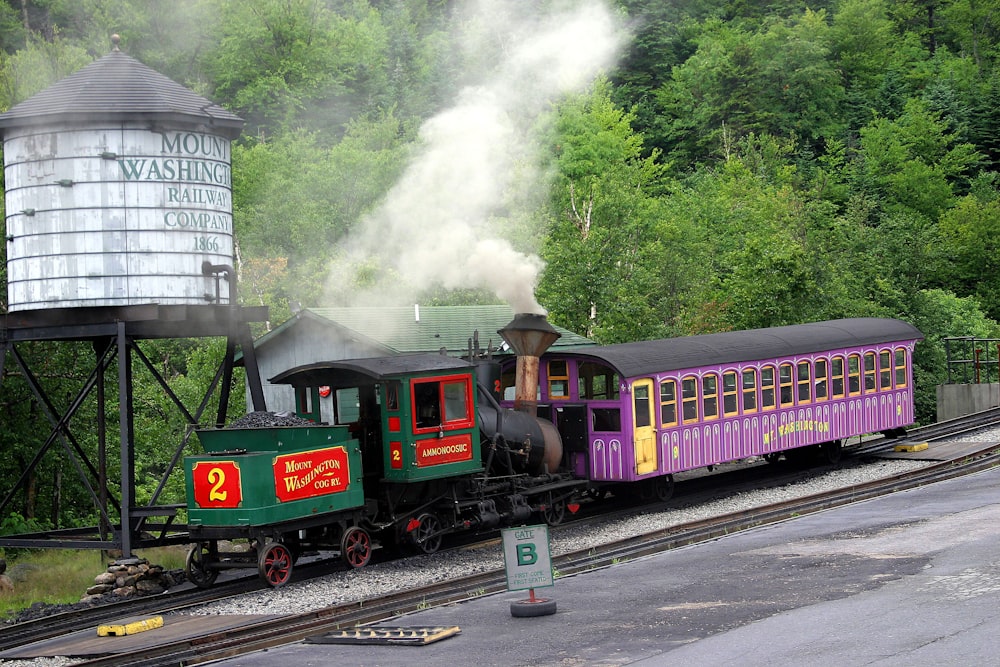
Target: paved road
[(912, 579)]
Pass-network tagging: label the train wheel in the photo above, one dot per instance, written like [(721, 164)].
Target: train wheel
[(275, 564), (196, 566), (773, 457), (663, 488), (830, 452), (427, 535), (554, 511), (356, 547), (803, 457)]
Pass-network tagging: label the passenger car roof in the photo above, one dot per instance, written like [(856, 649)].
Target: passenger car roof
[(668, 354)]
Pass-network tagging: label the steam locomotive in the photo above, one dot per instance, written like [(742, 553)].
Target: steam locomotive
[(403, 450)]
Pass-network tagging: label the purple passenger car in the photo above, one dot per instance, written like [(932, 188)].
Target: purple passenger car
[(639, 412)]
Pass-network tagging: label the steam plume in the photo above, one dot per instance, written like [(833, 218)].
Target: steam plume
[(436, 225)]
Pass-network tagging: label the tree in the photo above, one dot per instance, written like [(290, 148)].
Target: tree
[(758, 263), (973, 26), (939, 314), (285, 64), (779, 80), (294, 199), (970, 251), (36, 67), (604, 253), (915, 163), (864, 42)]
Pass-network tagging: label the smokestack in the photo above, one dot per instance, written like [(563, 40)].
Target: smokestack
[(529, 335)]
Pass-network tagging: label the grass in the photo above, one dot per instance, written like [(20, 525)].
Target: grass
[(62, 576)]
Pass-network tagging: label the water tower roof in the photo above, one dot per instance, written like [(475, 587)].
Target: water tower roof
[(118, 87)]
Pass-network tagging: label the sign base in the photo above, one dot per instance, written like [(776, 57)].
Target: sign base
[(532, 607)]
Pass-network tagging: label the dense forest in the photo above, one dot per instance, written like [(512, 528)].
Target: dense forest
[(642, 168)]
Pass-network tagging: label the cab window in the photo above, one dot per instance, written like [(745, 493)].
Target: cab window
[(900, 366), (870, 371), (853, 375), (885, 369), (442, 402), (597, 382), (558, 379), (837, 377), (822, 369)]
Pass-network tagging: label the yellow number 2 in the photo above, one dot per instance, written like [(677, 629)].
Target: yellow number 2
[(217, 478)]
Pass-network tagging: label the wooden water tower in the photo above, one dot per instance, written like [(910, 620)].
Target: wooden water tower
[(119, 228)]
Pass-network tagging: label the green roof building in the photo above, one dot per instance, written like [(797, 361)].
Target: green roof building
[(331, 334)]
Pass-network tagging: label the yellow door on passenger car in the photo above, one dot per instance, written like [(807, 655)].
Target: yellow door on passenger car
[(643, 426)]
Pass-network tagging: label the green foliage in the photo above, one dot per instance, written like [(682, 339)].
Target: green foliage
[(278, 62), (603, 273), (36, 67), (864, 42), (913, 163), (778, 79), (939, 314), (969, 253), (14, 524), (745, 164), (295, 198)]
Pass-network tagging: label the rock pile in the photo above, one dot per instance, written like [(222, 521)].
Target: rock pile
[(129, 578)]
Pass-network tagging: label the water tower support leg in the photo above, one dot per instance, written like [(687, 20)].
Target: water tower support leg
[(126, 432)]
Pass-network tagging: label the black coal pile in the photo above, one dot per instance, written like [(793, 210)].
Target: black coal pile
[(261, 419)]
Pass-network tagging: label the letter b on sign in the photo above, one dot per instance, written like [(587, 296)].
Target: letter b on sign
[(526, 554)]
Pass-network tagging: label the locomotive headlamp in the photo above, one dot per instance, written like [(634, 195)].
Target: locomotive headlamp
[(529, 335)]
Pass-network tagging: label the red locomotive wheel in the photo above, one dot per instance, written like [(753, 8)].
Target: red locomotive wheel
[(275, 564), (356, 547)]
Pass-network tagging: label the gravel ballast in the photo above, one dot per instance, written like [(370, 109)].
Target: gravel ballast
[(382, 578)]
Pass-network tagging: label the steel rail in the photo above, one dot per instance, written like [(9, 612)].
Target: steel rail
[(294, 628)]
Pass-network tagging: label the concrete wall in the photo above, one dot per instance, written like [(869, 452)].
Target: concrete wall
[(956, 400)]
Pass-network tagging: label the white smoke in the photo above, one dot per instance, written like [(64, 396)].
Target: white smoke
[(436, 226)]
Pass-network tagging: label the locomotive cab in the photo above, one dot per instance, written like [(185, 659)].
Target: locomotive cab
[(419, 411)]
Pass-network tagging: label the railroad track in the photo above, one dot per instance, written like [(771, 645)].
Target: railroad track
[(265, 634), (55, 625), (293, 628)]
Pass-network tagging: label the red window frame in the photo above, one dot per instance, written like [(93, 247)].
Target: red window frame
[(468, 421)]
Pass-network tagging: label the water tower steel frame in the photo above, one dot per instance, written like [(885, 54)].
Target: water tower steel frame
[(115, 333)]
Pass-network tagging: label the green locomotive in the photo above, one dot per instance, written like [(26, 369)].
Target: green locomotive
[(398, 451)]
